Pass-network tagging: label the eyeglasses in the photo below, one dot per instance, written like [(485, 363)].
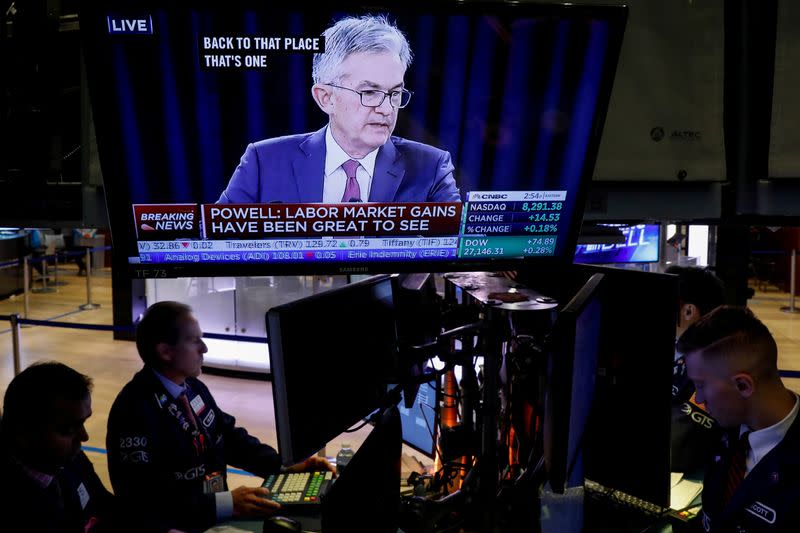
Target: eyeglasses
[(375, 97)]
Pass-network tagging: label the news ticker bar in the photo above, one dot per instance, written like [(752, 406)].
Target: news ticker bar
[(373, 243), (372, 249), (295, 256)]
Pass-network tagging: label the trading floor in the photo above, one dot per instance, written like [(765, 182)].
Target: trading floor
[(111, 363)]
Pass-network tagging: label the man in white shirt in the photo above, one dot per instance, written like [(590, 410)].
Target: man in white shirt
[(753, 481)]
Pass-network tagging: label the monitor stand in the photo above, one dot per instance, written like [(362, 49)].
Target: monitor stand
[(366, 496)]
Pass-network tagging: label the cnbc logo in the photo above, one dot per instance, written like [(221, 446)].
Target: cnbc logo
[(126, 25)]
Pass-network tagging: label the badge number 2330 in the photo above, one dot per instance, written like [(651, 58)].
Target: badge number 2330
[(132, 442)]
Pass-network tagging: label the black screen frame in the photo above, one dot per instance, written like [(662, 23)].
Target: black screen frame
[(119, 202), (628, 438), (371, 382), (558, 430)]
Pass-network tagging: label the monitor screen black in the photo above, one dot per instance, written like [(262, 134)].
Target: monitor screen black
[(642, 244), (627, 442), (366, 496), (628, 439), (572, 366), (331, 356), (217, 156)]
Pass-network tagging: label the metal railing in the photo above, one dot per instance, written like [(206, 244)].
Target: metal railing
[(27, 261), (791, 308), (16, 322)]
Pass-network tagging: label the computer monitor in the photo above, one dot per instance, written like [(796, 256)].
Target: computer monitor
[(366, 496), (642, 244), (419, 421), (627, 444), (627, 441), (572, 367), (215, 153), (332, 356)]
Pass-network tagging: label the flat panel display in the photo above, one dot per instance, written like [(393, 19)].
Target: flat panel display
[(641, 245), (237, 137)]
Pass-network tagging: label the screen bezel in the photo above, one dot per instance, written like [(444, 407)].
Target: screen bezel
[(558, 427), (118, 200), (282, 381)]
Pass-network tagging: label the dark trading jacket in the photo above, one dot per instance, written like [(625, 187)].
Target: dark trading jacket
[(155, 467), (76, 499), (768, 499), (695, 434)]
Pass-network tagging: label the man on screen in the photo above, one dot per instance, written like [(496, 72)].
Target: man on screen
[(358, 83)]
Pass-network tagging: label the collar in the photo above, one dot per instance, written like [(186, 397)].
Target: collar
[(335, 156), (40, 479), (764, 440), (173, 388)]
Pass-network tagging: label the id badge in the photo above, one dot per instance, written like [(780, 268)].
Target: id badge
[(213, 482)]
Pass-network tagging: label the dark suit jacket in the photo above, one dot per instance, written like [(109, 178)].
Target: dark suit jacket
[(292, 170), (769, 497), (74, 499), (155, 470), (695, 435)]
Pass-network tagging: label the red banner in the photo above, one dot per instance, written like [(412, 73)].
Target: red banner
[(165, 222)]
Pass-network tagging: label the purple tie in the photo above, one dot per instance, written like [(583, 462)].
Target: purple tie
[(352, 192), (187, 409)]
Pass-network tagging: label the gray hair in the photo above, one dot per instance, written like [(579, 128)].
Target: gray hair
[(352, 35)]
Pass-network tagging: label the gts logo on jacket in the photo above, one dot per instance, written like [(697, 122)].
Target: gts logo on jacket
[(192, 473), (697, 416)]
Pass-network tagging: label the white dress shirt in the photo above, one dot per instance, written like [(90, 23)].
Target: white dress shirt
[(335, 176), (764, 440)]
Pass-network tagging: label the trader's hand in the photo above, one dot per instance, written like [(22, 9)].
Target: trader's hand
[(252, 502), (311, 464)]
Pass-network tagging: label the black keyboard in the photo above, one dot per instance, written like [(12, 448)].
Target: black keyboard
[(622, 499), (296, 492)]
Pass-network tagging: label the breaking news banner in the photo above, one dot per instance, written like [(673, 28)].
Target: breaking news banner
[(246, 52), (277, 221), (162, 222)]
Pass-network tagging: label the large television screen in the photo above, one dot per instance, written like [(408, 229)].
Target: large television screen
[(241, 137)]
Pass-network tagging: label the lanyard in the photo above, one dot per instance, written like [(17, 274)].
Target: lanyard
[(198, 435)]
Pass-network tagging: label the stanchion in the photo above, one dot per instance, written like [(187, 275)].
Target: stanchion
[(15, 342), (792, 269), (56, 282), (44, 287), (26, 278), (89, 305)]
